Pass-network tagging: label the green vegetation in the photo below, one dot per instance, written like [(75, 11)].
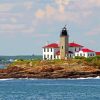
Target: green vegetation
[(78, 61), (71, 68), (92, 61)]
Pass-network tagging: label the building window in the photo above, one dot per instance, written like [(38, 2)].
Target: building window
[(44, 49), (47, 56), (91, 54), (88, 55), (80, 54), (54, 56), (51, 49), (77, 54), (51, 57), (75, 49), (48, 50), (84, 55)]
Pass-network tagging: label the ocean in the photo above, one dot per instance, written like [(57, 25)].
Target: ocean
[(50, 89)]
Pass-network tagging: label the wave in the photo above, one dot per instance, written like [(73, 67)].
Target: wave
[(81, 78), (6, 79), (98, 77)]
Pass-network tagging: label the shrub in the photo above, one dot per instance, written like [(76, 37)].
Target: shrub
[(78, 57)]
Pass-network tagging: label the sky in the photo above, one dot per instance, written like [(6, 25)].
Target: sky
[(26, 25)]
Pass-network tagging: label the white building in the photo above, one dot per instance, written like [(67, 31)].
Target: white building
[(52, 51), (57, 51), (85, 53)]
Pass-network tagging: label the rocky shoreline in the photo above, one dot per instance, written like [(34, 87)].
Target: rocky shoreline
[(48, 73), (74, 68)]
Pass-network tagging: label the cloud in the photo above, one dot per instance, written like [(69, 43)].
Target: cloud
[(60, 11), (13, 19), (49, 10), (27, 30), (28, 5), (80, 12), (53, 14), (6, 7), (16, 21), (93, 3), (66, 10), (87, 4), (11, 27), (62, 4), (47, 13), (40, 14), (9, 14)]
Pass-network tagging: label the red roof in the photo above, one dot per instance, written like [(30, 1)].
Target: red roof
[(75, 45), (53, 45), (97, 53), (58, 52), (87, 50)]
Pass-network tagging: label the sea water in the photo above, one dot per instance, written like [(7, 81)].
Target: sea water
[(50, 89)]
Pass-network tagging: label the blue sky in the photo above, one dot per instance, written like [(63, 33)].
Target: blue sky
[(26, 25)]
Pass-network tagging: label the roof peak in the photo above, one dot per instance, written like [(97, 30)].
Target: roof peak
[(87, 50)]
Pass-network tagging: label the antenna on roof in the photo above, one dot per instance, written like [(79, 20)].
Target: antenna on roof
[(64, 28)]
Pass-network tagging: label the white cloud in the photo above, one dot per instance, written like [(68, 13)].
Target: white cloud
[(79, 11), (28, 5), (60, 11), (16, 29), (11, 27), (6, 7), (13, 19), (52, 13), (27, 30), (87, 4), (62, 4), (40, 14)]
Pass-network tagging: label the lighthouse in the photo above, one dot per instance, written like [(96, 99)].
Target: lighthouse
[(64, 40)]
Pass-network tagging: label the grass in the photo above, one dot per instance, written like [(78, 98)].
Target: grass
[(77, 64)]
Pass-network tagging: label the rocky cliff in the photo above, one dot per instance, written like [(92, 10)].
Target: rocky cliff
[(49, 69)]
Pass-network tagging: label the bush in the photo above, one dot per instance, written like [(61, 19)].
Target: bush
[(78, 57)]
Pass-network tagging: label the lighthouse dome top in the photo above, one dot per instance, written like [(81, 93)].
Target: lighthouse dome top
[(64, 32)]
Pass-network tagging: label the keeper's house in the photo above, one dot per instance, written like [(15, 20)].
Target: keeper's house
[(65, 50)]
